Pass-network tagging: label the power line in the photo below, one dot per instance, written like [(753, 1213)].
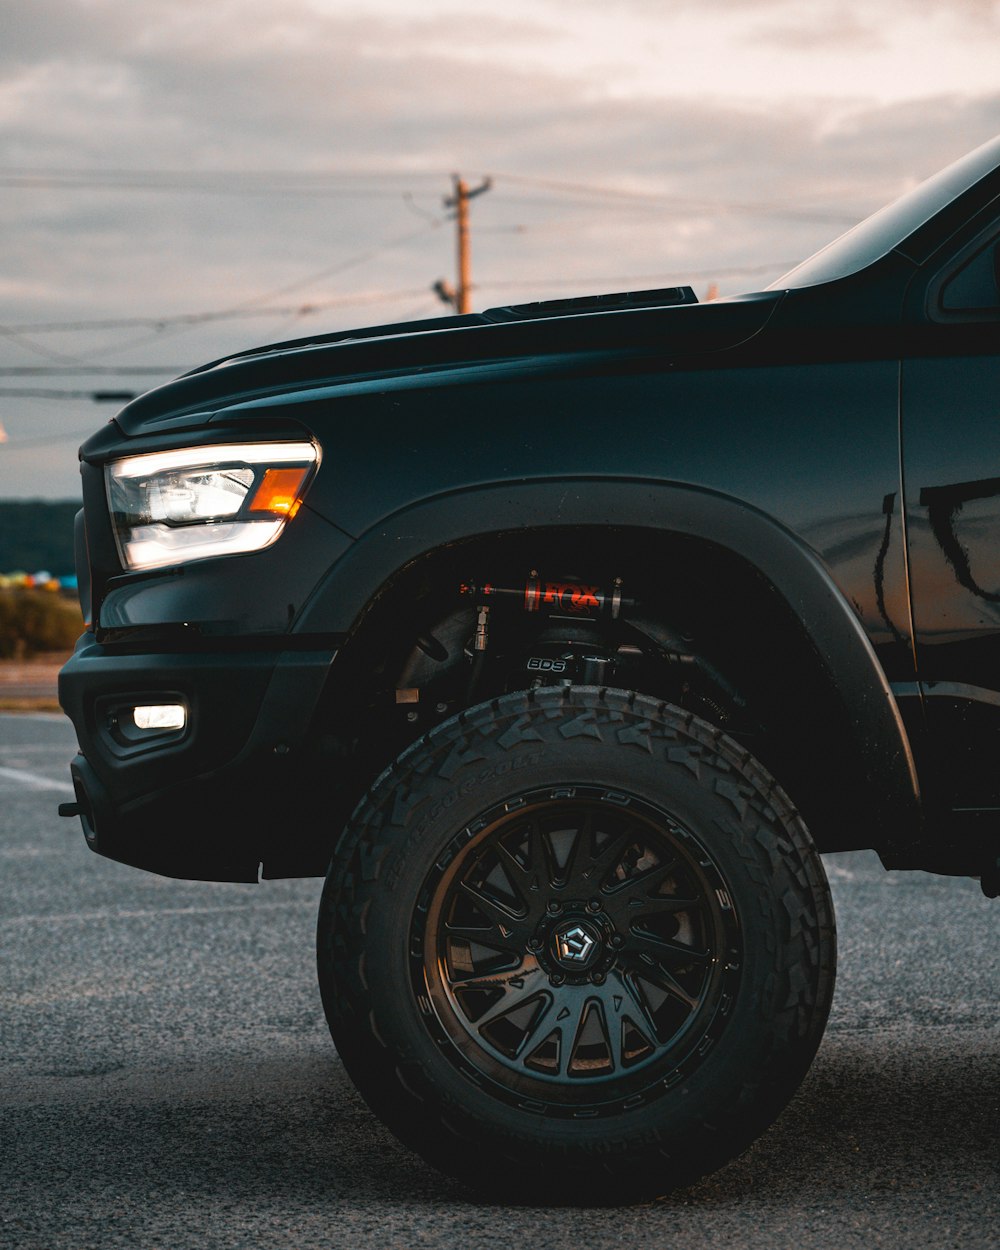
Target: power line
[(38, 349), (681, 203), (41, 392), (166, 327), (179, 189), (360, 297), (298, 185), (48, 371), (351, 262), (267, 171), (113, 174), (224, 314), (309, 183), (372, 296), (687, 275)]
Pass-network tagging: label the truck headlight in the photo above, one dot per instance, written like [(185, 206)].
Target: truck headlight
[(168, 507)]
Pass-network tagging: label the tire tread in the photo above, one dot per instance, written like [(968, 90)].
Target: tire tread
[(769, 835)]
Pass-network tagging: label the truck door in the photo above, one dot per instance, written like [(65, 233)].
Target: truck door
[(950, 397)]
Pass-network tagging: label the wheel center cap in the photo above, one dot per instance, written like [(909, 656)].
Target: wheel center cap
[(576, 944)]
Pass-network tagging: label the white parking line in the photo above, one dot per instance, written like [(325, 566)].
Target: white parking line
[(34, 781)]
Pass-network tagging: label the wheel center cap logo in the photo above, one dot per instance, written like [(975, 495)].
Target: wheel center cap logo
[(574, 945)]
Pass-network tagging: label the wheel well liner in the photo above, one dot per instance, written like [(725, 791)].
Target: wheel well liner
[(853, 677)]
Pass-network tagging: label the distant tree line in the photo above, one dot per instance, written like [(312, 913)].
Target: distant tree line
[(35, 535)]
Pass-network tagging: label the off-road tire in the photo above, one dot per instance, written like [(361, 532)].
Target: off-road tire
[(749, 1014)]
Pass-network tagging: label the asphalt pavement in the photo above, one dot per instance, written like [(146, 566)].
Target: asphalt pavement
[(166, 1078), (35, 679)]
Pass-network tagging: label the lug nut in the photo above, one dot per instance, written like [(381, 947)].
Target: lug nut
[(534, 944), (598, 978), (617, 941), (594, 905), (553, 908), (556, 978)]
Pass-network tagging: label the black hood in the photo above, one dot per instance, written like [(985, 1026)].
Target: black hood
[(662, 322)]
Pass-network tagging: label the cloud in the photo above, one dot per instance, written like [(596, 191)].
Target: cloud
[(973, 11), (197, 86), (976, 13), (358, 109), (843, 28), (857, 26), (668, 9)]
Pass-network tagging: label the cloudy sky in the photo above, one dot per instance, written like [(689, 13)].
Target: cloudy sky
[(181, 179)]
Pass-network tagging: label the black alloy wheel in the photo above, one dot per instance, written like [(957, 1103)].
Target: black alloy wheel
[(576, 946), (576, 949)]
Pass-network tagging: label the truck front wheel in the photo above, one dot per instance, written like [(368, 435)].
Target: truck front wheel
[(576, 945)]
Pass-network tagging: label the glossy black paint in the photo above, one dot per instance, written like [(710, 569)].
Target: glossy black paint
[(216, 798), (950, 388), (769, 426)]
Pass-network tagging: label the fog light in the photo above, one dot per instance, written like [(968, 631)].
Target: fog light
[(160, 716)]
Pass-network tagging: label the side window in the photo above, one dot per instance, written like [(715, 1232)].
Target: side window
[(976, 285)]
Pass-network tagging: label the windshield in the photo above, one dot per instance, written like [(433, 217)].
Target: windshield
[(877, 235)]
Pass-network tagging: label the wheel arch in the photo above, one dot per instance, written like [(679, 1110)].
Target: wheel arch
[(750, 566)]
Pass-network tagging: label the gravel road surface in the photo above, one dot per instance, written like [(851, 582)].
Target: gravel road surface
[(166, 1078)]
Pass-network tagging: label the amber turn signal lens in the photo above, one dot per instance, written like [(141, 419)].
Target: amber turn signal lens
[(278, 492)]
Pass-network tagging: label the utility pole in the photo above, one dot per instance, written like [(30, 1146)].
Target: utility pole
[(459, 297)]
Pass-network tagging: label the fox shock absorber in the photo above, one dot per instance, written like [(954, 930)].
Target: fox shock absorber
[(553, 597), (564, 605)]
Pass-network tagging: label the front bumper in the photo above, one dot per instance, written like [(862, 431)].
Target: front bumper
[(218, 798)]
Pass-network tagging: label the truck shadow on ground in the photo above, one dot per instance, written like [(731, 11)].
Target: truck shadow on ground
[(297, 1133)]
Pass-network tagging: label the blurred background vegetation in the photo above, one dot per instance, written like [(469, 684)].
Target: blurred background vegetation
[(38, 606), (35, 621)]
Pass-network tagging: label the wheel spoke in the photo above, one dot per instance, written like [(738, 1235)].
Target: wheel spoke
[(660, 977), (655, 877), (529, 995), (537, 1026), (538, 859), (517, 990), (605, 860), (665, 905), (570, 1006), (663, 951), (491, 937), (554, 1032), (620, 986), (618, 999), (637, 891), (592, 1053), (507, 924), (498, 980), (575, 873), (530, 880), (517, 874)]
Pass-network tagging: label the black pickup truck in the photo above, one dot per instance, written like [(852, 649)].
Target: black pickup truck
[(563, 638)]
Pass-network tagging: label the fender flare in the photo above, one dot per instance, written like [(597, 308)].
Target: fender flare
[(792, 568)]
